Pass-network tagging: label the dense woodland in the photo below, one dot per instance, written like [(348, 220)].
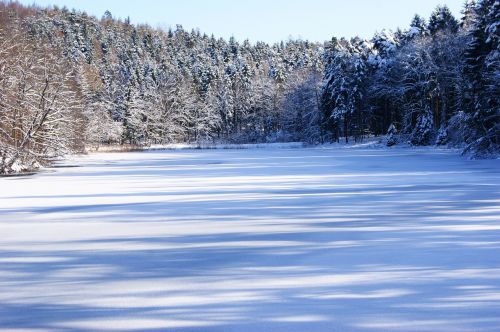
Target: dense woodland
[(70, 82)]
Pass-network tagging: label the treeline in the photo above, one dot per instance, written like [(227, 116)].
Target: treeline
[(69, 81), (436, 83)]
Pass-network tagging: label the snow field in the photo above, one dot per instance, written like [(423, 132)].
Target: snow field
[(289, 239)]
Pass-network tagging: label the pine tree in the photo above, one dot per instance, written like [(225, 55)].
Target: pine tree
[(418, 28), (442, 20), (344, 92), (482, 70), (468, 14)]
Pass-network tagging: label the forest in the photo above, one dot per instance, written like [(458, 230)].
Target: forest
[(70, 82)]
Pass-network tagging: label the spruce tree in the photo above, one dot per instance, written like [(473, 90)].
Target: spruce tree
[(482, 70), (442, 20)]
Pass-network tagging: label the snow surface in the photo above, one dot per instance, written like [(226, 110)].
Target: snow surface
[(320, 239), (184, 146)]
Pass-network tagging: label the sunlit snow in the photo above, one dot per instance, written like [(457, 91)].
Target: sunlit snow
[(291, 239)]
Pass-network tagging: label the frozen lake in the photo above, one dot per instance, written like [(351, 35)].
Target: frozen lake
[(323, 239)]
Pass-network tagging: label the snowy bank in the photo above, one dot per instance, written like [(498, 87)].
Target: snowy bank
[(183, 146)]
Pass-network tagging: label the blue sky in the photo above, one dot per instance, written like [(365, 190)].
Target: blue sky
[(267, 20)]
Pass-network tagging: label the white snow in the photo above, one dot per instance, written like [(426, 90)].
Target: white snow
[(290, 239), (183, 146)]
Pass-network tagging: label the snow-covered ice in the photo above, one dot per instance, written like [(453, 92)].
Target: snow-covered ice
[(293, 239)]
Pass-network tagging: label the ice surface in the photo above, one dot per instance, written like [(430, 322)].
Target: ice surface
[(323, 239)]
